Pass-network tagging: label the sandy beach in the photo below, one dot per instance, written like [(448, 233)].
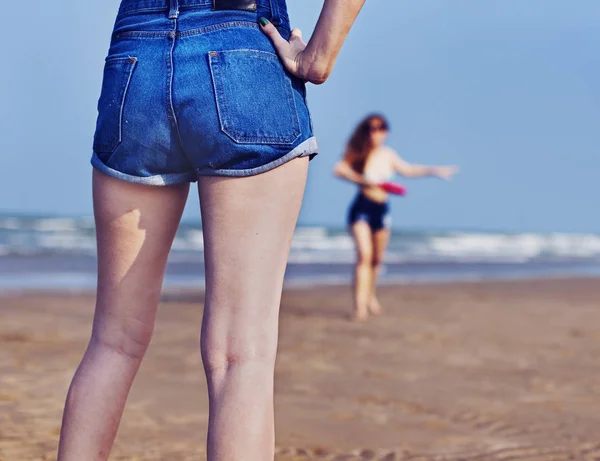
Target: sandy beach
[(499, 371)]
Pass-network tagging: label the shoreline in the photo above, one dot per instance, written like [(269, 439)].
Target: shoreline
[(307, 285)]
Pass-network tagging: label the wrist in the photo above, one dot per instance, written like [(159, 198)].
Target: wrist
[(313, 66)]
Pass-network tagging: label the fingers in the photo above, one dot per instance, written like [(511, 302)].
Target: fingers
[(280, 43)]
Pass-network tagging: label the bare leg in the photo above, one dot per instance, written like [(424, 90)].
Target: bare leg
[(248, 227), (380, 243), (135, 228), (364, 271)]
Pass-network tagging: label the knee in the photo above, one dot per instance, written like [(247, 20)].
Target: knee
[(220, 355), (376, 262), (365, 260), (129, 338)]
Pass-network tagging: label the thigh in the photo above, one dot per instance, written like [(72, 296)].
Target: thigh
[(135, 227), (248, 224), (363, 239), (381, 239)]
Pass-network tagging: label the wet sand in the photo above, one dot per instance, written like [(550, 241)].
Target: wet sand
[(493, 371)]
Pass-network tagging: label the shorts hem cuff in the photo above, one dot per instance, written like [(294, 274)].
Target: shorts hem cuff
[(155, 180), (308, 148)]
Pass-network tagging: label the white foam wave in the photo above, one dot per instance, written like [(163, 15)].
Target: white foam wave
[(55, 225), (67, 242), (10, 223), (515, 247), (316, 245), (191, 240)]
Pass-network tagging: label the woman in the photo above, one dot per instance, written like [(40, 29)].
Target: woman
[(369, 163), (193, 90)]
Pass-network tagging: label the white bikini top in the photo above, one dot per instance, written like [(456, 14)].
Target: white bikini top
[(377, 177)]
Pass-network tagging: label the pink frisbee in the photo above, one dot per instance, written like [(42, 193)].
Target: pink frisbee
[(393, 188)]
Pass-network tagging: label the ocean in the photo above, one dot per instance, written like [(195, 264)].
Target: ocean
[(60, 253)]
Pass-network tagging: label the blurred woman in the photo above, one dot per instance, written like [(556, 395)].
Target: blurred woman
[(369, 163)]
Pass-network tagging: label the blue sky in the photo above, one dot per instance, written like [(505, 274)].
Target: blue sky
[(509, 90)]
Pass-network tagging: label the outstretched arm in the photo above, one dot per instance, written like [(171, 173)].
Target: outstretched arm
[(410, 170), (314, 62)]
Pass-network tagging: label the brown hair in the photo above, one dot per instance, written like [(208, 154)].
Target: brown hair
[(359, 146)]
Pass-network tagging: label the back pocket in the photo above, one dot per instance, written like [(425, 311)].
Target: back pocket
[(117, 75), (255, 99)]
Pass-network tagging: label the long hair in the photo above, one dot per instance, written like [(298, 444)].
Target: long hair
[(359, 146)]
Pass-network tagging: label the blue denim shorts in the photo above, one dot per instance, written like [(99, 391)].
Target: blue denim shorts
[(189, 91), (375, 214)]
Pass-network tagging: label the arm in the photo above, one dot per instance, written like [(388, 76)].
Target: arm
[(337, 17), (314, 62), (344, 171), (418, 171)]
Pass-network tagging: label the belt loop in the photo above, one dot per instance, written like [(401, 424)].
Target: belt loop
[(275, 14), (174, 9)]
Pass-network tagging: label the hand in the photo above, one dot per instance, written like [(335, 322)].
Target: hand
[(445, 172), (293, 54)]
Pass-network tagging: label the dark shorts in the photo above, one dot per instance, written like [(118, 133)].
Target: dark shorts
[(189, 91), (376, 214)]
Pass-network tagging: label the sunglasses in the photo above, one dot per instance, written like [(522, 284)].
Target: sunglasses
[(376, 128)]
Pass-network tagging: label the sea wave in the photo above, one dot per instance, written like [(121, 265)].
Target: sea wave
[(315, 245)]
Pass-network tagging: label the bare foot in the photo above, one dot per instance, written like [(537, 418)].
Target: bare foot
[(375, 307), (359, 317)]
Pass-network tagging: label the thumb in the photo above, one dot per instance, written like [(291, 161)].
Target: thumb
[(280, 43), (296, 33)]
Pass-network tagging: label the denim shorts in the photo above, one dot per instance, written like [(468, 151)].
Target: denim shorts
[(375, 214), (189, 90)]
